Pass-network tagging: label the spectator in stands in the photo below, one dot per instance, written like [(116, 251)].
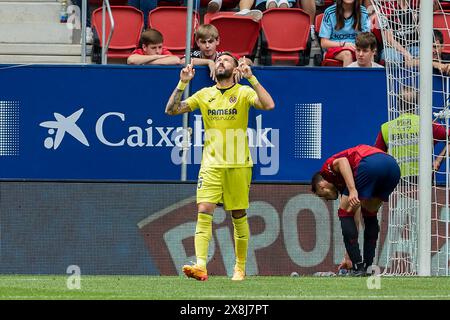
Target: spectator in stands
[(245, 8), (309, 6), (148, 5), (340, 25), (89, 9), (402, 34), (440, 60), (145, 6), (207, 40), (441, 63), (366, 49), (368, 5), (269, 4), (152, 51)]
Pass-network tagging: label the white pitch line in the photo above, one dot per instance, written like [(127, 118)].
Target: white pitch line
[(261, 298)]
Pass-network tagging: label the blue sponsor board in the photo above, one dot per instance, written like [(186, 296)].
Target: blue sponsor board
[(107, 123)]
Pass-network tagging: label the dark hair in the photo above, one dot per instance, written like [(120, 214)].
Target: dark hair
[(438, 36), (316, 178), (151, 36), (340, 20), (366, 40), (228, 53)]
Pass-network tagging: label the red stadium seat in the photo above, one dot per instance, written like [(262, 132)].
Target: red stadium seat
[(325, 62), (171, 22), (128, 24), (238, 34), (441, 21), (208, 16), (287, 41)]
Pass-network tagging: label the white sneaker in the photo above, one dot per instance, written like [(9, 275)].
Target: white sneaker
[(313, 33), (286, 4), (255, 14), (214, 6), (269, 3)]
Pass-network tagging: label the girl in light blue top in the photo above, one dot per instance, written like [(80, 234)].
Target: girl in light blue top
[(340, 25)]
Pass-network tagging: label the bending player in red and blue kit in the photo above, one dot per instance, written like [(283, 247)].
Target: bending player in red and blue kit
[(365, 176)]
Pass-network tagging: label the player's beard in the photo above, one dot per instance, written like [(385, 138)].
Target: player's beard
[(224, 74)]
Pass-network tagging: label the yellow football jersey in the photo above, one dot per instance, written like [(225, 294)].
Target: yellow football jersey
[(225, 119)]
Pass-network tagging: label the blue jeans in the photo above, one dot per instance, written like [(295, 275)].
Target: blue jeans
[(148, 5), (390, 54), (145, 6)]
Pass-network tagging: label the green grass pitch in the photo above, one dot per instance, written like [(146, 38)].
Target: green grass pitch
[(21, 287)]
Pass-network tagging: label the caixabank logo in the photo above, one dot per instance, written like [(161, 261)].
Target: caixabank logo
[(58, 128), (116, 129), (9, 128)]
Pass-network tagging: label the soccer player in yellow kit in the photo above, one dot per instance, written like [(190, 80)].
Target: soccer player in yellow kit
[(226, 168)]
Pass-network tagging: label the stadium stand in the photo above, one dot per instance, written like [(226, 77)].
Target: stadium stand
[(441, 21), (128, 25), (318, 60), (171, 22), (238, 34), (31, 32), (280, 44)]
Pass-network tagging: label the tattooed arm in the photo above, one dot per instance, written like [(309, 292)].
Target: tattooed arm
[(175, 105)]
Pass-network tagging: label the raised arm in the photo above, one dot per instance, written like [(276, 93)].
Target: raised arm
[(139, 59), (204, 62), (264, 100), (175, 105), (342, 166)]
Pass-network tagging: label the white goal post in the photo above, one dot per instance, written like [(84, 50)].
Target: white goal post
[(418, 226)]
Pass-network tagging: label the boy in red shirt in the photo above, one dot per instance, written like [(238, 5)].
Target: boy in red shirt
[(152, 51)]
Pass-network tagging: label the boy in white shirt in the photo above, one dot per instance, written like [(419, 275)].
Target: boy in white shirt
[(366, 48)]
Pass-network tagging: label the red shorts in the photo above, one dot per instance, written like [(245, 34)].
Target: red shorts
[(332, 52)]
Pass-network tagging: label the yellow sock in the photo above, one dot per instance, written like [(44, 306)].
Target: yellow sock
[(203, 234), (241, 236)]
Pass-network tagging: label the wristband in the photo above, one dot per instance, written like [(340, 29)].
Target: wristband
[(253, 81), (182, 85)]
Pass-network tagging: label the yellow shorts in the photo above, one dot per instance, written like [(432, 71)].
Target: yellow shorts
[(229, 186)]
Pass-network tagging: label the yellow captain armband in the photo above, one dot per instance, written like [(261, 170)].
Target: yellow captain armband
[(182, 85), (253, 81)]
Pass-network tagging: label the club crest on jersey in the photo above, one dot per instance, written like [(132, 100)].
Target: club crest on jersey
[(233, 99)]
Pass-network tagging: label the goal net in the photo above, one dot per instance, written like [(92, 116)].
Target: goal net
[(399, 25)]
